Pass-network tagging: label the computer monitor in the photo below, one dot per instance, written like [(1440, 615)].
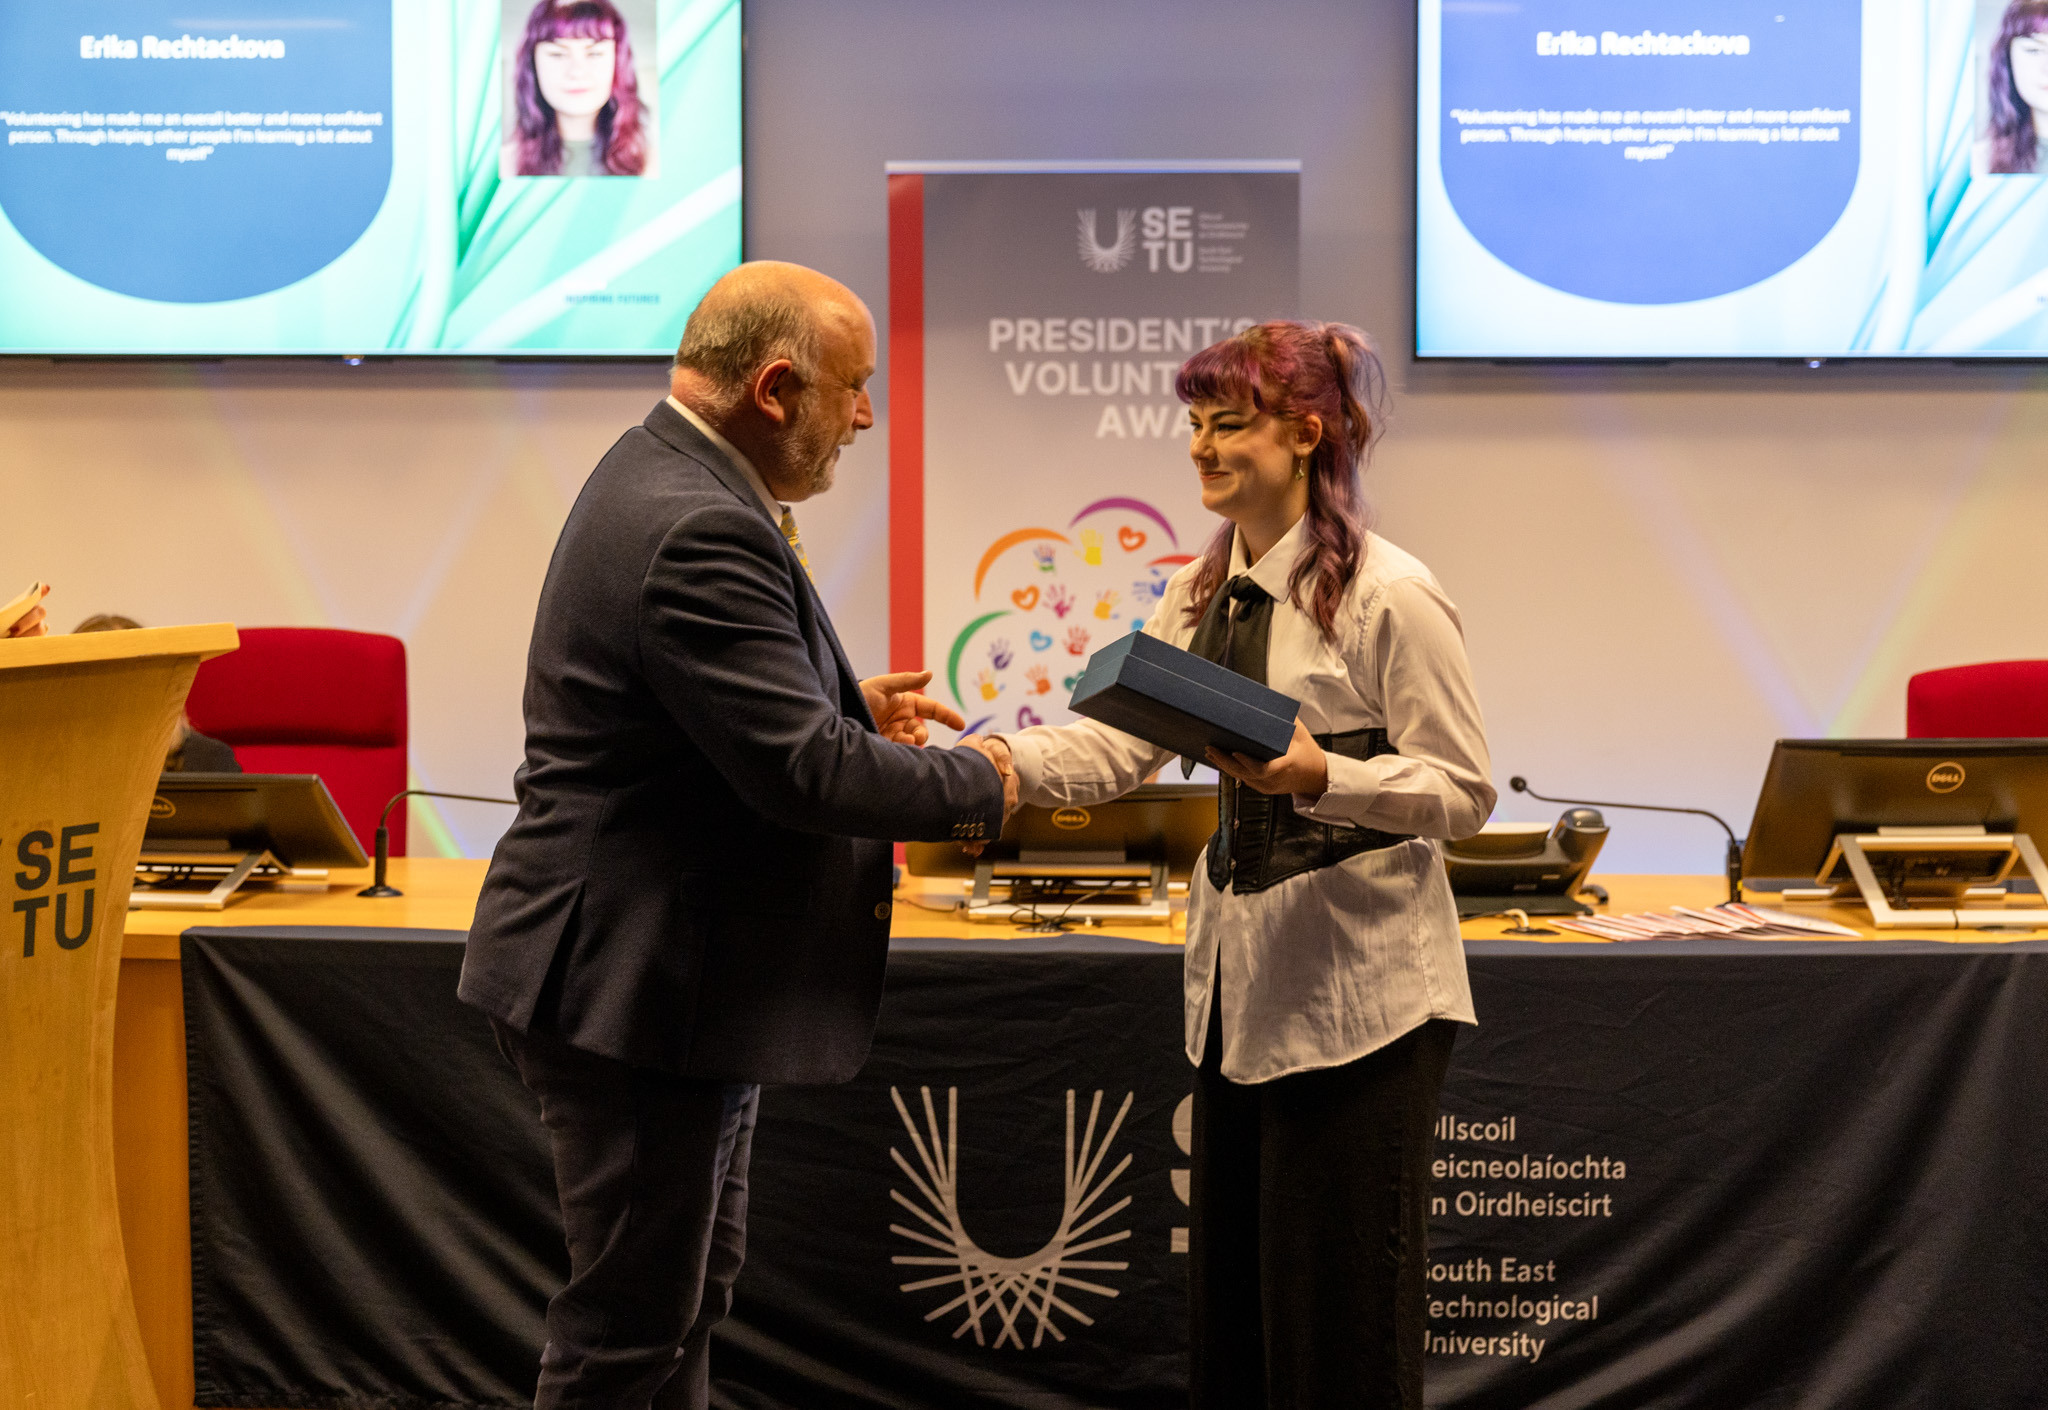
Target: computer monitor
[(229, 828), (1154, 822), (1902, 821)]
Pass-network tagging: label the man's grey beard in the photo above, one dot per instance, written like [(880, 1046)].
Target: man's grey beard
[(809, 455)]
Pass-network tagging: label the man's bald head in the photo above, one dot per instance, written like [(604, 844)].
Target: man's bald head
[(776, 358), (759, 312)]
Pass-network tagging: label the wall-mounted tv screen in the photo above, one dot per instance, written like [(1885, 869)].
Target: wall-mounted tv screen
[(549, 178), (1732, 179)]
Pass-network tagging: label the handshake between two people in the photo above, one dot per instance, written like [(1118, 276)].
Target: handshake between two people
[(900, 713)]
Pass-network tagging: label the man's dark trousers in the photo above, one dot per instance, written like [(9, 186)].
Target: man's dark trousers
[(652, 1170)]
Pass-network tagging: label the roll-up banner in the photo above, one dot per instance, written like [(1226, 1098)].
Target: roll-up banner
[(1039, 484)]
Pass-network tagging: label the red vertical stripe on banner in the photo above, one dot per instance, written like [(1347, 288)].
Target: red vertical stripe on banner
[(906, 423)]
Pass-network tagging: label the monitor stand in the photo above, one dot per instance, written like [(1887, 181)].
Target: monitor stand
[(1055, 887), (229, 871), (1958, 865)]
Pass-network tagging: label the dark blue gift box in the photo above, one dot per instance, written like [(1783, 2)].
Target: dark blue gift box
[(1180, 701)]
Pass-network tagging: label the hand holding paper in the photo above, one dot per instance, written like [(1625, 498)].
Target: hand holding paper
[(24, 615)]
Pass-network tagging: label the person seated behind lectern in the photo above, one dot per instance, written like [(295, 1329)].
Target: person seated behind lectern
[(191, 752)]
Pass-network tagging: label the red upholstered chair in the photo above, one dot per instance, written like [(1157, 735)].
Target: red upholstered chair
[(1993, 700), (314, 700)]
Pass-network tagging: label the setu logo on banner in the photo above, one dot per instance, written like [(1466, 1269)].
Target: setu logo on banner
[(999, 1296), (1108, 259), (1040, 493)]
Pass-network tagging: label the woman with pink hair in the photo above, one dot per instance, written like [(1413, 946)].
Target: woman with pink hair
[(2018, 74), (576, 95), (1324, 977)]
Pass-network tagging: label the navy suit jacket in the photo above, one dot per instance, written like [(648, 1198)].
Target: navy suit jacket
[(699, 876)]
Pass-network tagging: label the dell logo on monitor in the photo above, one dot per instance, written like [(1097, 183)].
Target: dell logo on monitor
[(1945, 778), (1070, 818)]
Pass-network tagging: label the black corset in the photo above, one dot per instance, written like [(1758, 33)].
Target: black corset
[(1270, 842)]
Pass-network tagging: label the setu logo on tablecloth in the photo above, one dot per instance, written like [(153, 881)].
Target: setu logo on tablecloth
[(1001, 1295), (1108, 259)]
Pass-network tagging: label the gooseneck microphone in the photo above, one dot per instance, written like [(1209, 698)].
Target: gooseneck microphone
[(377, 886), (1734, 860)]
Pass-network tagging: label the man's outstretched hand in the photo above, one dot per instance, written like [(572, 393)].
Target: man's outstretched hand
[(900, 712), (997, 753)]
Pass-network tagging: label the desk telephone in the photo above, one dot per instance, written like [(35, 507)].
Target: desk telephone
[(1532, 867)]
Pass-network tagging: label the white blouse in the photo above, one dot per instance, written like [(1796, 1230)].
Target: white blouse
[(1331, 964)]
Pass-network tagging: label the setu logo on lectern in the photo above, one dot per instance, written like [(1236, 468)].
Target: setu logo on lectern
[(1945, 778), (1000, 1296)]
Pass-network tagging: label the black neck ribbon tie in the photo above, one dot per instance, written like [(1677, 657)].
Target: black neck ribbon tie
[(1237, 640)]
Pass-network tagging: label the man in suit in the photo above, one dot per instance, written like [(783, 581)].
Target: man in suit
[(694, 898)]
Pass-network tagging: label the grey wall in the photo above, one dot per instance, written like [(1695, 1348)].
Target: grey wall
[(1661, 570)]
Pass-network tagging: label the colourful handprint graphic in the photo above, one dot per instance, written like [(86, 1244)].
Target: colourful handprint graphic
[(1097, 573)]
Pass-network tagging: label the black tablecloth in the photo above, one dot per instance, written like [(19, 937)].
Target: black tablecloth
[(1684, 1174)]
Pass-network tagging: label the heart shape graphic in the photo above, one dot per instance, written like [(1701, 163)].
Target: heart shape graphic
[(1025, 598), (1027, 717), (1132, 539), (1040, 641)]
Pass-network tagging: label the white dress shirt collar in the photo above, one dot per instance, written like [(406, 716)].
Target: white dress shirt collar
[(1272, 571), (731, 452)]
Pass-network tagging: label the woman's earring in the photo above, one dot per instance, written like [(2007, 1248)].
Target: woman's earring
[(1300, 468)]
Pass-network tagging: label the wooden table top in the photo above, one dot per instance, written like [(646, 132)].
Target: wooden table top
[(440, 894)]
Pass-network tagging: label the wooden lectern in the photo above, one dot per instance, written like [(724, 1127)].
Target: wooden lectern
[(84, 722)]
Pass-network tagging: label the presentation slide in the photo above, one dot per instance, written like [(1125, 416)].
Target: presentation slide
[(365, 177), (1732, 178)]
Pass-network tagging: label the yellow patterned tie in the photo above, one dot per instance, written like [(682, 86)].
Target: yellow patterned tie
[(796, 543)]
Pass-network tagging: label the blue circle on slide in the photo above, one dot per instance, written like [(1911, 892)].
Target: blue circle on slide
[(248, 217), (1705, 218)]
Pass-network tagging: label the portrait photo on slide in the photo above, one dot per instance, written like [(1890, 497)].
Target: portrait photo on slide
[(579, 80), (2012, 95)]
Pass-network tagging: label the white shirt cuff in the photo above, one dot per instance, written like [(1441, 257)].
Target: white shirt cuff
[(1028, 755), (1351, 789)]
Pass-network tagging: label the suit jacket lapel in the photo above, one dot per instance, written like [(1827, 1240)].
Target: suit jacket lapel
[(846, 675), (666, 424)]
